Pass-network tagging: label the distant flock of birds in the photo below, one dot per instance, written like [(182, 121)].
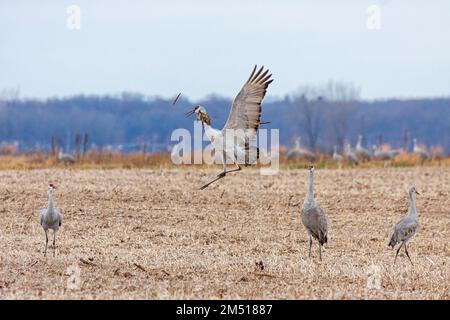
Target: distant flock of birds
[(358, 154), (245, 114)]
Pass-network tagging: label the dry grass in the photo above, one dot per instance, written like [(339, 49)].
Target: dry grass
[(92, 160), (153, 234), (116, 160)]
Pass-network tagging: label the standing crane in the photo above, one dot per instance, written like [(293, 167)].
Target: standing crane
[(395, 152), (361, 152), (350, 156), (380, 154), (421, 152), (65, 157), (298, 152), (51, 218), (337, 157), (406, 227), (242, 124), (313, 217)]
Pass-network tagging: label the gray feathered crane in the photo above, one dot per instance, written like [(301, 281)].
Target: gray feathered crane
[(298, 152), (236, 141), (421, 152), (380, 154), (350, 156), (361, 152), (50, 218), (313, 217), (336, 156), (65, 157), (406, 227)]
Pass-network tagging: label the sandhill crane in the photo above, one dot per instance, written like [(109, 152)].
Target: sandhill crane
[(395, 152), (298, 152), (361, 152), (380, 154), (51, 218), (421, 152), (406, 227), (350, 156), (336, 156), (65, 157), (437, 153), (237, 140), (313, 217)]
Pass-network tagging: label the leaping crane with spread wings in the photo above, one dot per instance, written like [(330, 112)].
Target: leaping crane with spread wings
[(236, 141)]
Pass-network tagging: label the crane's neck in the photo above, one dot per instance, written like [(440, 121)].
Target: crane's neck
[(210, 132), (348, 148), (50, 201), (412, 206), (416, 147), (359, 144), (309, 199)]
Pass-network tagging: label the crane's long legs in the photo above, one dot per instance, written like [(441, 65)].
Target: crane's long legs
[(237, 169), (211, 182), (46, 242), (221, 175), (320, 251), (54, 242), (407, 254), (310, 245), (224, 159), (398, 251)]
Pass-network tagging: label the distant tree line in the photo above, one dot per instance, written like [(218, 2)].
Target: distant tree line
[(322, 116)]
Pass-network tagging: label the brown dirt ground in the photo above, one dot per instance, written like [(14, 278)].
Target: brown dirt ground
[(152, 234)]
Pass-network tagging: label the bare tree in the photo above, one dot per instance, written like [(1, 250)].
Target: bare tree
[(344, 97), (10, 94), (309, 104), (85, 142), (3, 119), (78, 145), (334, 102), (405, 139), (340, 123), (53, 144)]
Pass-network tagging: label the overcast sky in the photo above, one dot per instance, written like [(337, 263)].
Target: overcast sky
[(203, 47)]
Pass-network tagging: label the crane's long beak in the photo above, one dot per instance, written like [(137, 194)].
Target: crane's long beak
[(417, 193), (189, 113)]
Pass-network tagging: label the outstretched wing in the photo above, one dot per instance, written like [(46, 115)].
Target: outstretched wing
[(246, 109)]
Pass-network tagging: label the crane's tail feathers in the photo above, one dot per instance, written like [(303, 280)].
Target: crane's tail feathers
[(392, 242), (323, 240)]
